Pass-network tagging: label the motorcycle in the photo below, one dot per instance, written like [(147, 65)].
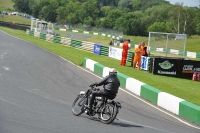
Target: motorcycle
[(105, 109)]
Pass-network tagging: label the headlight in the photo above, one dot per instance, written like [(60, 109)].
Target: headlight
[(82, 92)]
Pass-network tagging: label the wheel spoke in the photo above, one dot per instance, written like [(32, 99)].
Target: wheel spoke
[(77, 107)]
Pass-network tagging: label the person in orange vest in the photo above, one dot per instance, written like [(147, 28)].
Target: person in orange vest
[(137, 56), (125, 52), (144, 49)]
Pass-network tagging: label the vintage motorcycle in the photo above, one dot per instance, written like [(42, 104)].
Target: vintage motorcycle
[(105, 109)]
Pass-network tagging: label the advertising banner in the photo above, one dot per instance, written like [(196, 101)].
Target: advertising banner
[(97, 49), (115, 53), (188, 67), (144, 63), (167, 67)]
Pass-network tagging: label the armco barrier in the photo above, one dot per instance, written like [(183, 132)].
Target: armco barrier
[(167, 101)]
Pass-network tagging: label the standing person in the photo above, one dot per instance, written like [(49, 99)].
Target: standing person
[(137, 56), (111, 42), (125, 52), (144, 49)]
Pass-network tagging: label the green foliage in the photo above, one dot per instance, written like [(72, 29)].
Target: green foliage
[(125, 4), (21, 6), (110, 19), (159, 27), (198, 28), (115, 14), (61, 14), (49, 12)]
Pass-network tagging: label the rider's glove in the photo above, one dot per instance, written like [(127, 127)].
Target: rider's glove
[(94, 84)]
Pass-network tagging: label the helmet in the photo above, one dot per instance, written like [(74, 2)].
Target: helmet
[(112, 71)]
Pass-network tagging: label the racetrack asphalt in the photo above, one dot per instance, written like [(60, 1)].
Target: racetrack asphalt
[(37, 89)]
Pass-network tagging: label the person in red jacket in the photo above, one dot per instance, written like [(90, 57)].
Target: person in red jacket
[(125, 52)]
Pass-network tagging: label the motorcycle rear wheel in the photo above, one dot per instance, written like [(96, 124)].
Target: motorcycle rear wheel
[(108, 113), (78, 105)]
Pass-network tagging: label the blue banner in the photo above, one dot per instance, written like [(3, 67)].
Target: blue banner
[(144, 63), (97, 49)]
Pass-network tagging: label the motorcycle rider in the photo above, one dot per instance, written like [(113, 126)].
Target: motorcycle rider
[(110, 84)]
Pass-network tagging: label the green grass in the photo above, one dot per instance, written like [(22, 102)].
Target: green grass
[(17, 19), (182, 88), (6, 5)]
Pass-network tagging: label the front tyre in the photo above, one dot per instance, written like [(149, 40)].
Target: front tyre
[(78, 105), (108, 113)]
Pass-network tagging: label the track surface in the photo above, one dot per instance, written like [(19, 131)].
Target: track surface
[(37, 89)]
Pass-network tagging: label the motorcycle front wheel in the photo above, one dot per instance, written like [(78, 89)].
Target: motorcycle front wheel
[(78, 105)]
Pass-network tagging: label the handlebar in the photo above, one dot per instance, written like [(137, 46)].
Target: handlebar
[(94, 88)]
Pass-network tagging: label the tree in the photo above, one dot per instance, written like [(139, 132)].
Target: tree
[(136, 4), (197, 20), (104, 10), (48, 11), (61, 14), (128, 23), (73, 13), (198, 28), (158, 27), (110, 19), (21, 6), (125, 4)]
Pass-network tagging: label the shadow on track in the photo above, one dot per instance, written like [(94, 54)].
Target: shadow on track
[(122, 124), (115, 123)]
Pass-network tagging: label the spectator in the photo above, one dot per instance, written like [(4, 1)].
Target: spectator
[(144, 49), (111, 42), (125, 52), (137, 56)]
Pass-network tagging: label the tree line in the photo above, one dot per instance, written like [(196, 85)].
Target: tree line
[(133, 17)]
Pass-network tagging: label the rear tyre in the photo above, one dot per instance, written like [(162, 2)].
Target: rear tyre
[(78, 105), (108, 113)]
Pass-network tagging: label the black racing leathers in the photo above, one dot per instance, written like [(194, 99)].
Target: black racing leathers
[(110, 83)]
